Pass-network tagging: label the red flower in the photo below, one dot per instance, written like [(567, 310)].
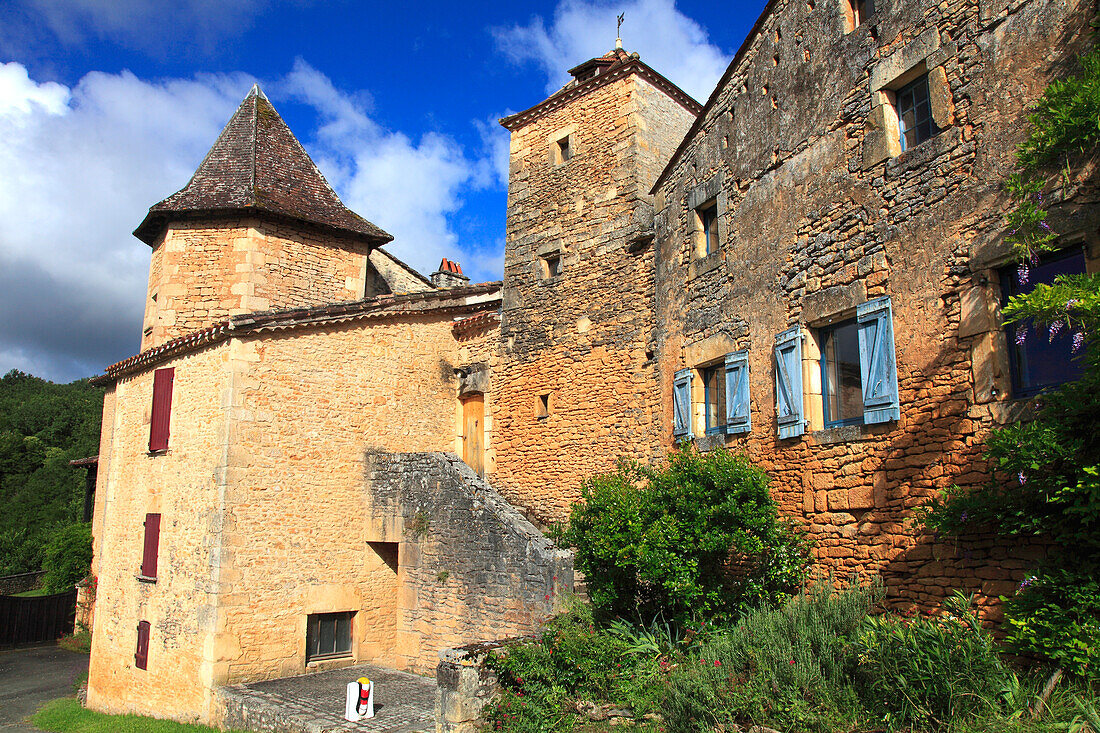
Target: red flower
[(717, 663), (791, 662)]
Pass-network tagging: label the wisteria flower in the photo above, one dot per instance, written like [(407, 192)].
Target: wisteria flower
[(1022, 273), (1027, 581), (1056, 328), (1045, 226), (1071, 303), (1022, 478), (1021, 336), (1078, 341)]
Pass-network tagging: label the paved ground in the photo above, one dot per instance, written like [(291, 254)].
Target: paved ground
[(33, 676), (314, 703)]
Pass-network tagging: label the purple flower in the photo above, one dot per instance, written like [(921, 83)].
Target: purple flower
[(1071, 303), (1021, 336), (1027, 581), (1034, 258), (1022, 477), (1022, 273), (1045, 226), (1055, 329), (963, 517), (1078, 341)]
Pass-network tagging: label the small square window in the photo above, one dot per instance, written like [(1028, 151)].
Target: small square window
[(714, 398), (551, 266), (328, 635), (562, 150), (841, 380), (542, 406), (914, 108), (1037, 360)]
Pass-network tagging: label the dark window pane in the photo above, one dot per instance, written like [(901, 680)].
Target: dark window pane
[(709, 219), (915, 113), (841, 381), (328, 636), (1041, 362), (714, 387)]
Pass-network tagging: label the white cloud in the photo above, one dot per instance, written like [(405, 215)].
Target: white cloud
[(82, 166), (666, 39)]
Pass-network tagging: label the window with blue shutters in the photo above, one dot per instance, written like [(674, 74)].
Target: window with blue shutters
[(790, 414), (681, 405), (738, 408), (878, 365)]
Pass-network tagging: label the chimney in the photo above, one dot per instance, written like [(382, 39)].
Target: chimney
[(449, 275)]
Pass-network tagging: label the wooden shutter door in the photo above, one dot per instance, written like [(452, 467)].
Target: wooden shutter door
[(681, 404), (141, 656), (162, 409), (877, 362), (788, 383), (473, 432), (152, 546)]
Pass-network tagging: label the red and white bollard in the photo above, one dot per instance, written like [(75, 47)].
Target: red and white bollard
[(360, 700)]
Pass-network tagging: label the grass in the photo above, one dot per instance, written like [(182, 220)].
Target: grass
[(67, 716), (31, 593), (81, 641)]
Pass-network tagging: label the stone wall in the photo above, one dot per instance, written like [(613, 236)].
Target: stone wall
[(464, 686), (186, 486), (576, 387), (472, 567), (815, 219), (202, 272), (20, 583)]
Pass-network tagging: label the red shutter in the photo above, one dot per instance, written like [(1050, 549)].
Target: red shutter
[(152, 546), (141, 657), (162, 409)]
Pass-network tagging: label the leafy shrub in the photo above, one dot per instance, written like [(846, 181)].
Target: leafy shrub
[(573, 659), (1057, 613), (788, 667), (930, 672), (700, 537), (68, 557)]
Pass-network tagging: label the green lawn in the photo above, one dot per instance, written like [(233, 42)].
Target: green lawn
[(31, 593), (67, 716)]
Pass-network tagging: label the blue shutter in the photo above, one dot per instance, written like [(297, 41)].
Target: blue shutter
[(738, 412), (681, 405), (788, 383), (877, 363)]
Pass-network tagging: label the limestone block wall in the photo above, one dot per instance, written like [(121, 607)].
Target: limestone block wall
[(185, 485), (202, 272), (576, 387), (473, 567), (815, 220)]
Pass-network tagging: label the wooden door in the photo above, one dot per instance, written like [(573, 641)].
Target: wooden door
[(473, 432)]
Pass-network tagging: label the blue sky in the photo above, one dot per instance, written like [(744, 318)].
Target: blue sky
[(107, 106)]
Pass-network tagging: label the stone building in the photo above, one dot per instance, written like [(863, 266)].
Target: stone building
[(830, 262), (298, 469)]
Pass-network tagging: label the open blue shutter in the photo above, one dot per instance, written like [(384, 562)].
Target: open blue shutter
[(788, 383), (877, 362), (738, 409), (681, 404)]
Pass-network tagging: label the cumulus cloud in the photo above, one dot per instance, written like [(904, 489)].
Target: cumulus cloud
[(82, 165), (665, 38)]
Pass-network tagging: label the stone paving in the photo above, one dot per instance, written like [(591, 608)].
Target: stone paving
[(314, 703)]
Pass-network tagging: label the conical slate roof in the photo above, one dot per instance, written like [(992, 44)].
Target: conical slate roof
[(258, 166)]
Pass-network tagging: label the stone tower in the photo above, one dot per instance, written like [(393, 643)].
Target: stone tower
[(575, 386), (257, 227)]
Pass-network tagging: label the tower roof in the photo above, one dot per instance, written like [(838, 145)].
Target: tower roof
[(594, 73), (258, 166)]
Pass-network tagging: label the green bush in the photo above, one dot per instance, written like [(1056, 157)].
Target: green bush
[(700, 537), (930, 672), (1057, 614), (68, 557), (789, 667)]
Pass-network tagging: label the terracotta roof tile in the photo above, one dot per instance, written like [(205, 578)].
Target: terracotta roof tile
[(257, 165)]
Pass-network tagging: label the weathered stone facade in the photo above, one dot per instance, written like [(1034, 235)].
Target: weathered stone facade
[(575, 388), (820, 212)]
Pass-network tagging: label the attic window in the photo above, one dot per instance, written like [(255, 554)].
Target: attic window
[(551, 265), (857, 12)]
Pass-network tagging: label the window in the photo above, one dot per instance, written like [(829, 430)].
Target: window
[(561, 150), (542, 406), (551, 266), (857, 12), (914, 108), (328, 635), (151, 547), (681, 405), (841, 384), (160, 417), (141, 656), (714, 398), (706, 224), (858, 372), (1038, 361)]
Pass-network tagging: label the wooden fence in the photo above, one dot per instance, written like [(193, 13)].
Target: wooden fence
[(36, 619)]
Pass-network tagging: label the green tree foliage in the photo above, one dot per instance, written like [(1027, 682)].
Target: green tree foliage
[(700, 537), (67, 557), (42, 427)]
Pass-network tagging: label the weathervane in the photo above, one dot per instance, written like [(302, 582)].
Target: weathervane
[(618, 34)]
